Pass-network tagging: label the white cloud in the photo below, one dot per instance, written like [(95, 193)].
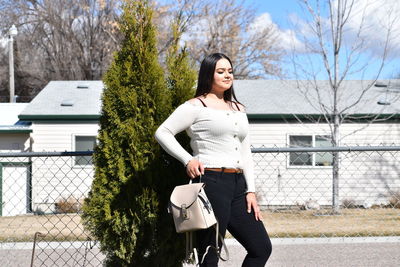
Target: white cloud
[(366, 29), (376, 17), (286, 38), (261, 22), (289, 41)]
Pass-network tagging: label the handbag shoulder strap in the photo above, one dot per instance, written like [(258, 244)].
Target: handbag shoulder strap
[(217, 248), (192, 252)]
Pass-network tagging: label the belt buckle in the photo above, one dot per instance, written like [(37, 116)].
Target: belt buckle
[(238, 170)]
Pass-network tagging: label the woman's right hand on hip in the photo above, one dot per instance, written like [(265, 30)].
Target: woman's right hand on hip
[(194, 168)]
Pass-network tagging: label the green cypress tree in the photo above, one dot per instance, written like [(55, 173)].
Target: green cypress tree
[(181, 77), (122, 209), (180, 80)]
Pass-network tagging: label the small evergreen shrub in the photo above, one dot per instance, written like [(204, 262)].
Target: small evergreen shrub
[(126, 209)]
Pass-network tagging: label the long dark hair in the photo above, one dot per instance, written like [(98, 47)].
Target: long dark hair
[(206, 77)]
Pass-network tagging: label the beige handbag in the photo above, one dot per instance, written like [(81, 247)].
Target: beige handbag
[(191, 208), (191, 211)]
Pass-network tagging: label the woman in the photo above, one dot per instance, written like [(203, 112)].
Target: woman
[(218, 129)]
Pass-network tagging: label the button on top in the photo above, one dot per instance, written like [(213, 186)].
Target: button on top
[(236, 148), (237, 161), (235, 123)]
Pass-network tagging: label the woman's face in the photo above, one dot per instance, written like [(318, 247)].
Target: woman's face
[(223, 76)]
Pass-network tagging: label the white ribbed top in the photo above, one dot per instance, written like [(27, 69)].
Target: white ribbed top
[(219, 138)]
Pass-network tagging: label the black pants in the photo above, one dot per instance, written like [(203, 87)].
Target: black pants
[(227, 194)]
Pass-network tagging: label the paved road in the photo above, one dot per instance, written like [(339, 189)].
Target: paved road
[(328, 252), (337, 254)]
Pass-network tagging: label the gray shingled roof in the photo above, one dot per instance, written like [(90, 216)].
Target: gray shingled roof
[(285, 97), (85, 101), (259, 96)]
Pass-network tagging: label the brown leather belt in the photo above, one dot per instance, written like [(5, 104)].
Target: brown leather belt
[(226, 170)]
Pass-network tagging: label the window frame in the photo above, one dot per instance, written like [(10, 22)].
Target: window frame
[(313, 165), (73, 137)]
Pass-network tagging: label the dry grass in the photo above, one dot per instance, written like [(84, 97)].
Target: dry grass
[(55, 227), (350, 222), (287, 223)]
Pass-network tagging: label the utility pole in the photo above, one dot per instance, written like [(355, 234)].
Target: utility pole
[(12, 32)]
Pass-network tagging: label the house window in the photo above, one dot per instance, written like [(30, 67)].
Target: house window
[(300, 158), (310, 158), (323, 158), (84, 143)]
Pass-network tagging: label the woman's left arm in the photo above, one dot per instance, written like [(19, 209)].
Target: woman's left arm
[(248, 165), (248, 170)]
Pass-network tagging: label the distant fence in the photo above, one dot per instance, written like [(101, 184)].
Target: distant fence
[(366, 176), (42, 194)]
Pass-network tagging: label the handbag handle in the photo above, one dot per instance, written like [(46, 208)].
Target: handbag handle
[(190, 179)]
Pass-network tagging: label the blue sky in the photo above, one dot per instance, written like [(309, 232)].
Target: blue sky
[(289, 19), (281, 11)]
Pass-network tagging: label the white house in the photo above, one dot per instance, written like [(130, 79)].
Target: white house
[(64, 116), (289, 114)]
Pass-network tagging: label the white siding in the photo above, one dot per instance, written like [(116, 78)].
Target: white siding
[(275, 134), (373, 134), (59, 136), (365, 177), (55, 178)]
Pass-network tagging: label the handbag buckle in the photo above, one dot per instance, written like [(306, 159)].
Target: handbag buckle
[(185, 214)]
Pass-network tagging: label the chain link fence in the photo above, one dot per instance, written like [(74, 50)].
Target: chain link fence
[(329, 192), (42, 194), (41, 199)]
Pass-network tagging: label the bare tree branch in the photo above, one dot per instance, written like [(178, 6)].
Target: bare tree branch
[(64, 39), (337, 102), (228, 26)]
